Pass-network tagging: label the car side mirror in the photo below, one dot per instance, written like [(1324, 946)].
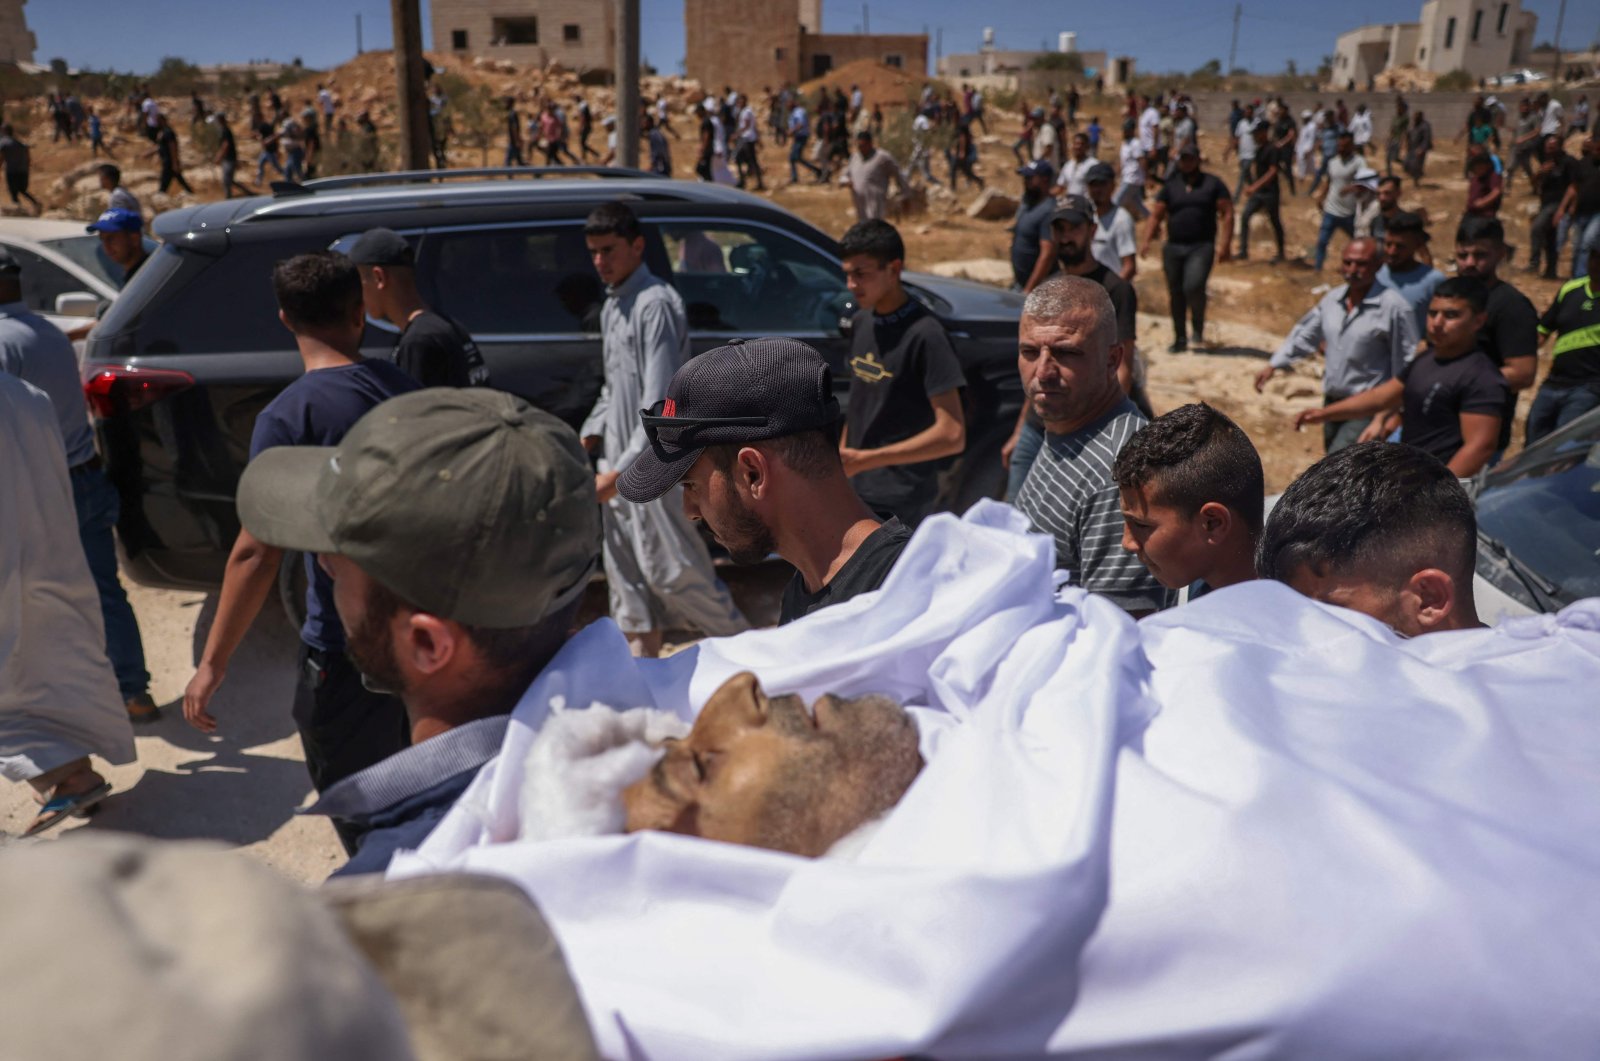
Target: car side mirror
[(77, 304)]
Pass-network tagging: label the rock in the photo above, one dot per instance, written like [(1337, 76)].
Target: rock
[(993, 205), (984, 270), (68, 180)]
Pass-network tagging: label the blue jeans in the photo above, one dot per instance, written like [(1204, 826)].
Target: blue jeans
[(1029, 442), (797, 158), (294, 168), (1558, 405), (1585, 231), (263, 162), (1325, 236), (98, 507)]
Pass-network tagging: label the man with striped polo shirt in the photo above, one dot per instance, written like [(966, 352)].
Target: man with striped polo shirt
[(1068, 354), (1573, 386)]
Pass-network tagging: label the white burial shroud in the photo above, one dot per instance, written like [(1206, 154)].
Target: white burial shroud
[(1254, 826)]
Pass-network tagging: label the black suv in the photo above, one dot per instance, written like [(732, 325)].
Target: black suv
[(192, 349)]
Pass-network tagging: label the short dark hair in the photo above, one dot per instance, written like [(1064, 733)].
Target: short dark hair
[(613, 219), (106, 169), (812, 454), (1468, 289), (1389, 180), (877, 239), (316, 290), (1480, 230), (1384, 508), (1191, 456)]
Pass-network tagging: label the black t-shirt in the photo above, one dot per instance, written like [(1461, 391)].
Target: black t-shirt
[(316, 410), (1192, 208), (1266, 159), (1438, 392), (1512, 330), (897, 363), (1029, 230), (167, 143), (230, 151), (437, 352), (1575, 318), (1586, 172), (1554, 185), (864, 572)]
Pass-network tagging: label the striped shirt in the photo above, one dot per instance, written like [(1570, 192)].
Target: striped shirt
[(1071, 496)]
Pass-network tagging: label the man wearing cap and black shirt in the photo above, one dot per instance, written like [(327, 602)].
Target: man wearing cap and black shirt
[(1259, 181), (1033, 252), (1196, 206), (456, 593), (1116, 243), (753, 441), (432, 349), (343, 726), (1072, 233), (905, 396), (1405, 234), (1510, 335)]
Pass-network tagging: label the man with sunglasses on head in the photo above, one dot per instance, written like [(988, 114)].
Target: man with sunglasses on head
[(658, 571), (753, 442)]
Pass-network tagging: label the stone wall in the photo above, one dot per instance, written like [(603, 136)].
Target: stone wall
[(743, 44), (843, 48)]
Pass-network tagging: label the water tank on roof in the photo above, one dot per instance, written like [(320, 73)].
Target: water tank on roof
[(1067, 42), (988, 36)]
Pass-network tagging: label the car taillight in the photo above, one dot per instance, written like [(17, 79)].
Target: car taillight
[(122, 390)]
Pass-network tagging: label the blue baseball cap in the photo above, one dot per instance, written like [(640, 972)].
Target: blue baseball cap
[(1039, 167), (117, 220)]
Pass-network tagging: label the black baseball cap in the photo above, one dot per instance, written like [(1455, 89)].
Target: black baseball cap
[(1406, 221), (1189, 149), (382, 246), (1098, 172), (1076, 210), (749, 390)]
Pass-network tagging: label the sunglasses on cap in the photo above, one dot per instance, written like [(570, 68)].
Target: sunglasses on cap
[(684, 428)]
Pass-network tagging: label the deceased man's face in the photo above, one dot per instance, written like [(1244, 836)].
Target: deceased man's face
[(766, 772)]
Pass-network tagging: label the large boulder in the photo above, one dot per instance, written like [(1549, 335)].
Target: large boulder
[(992, 204), (995, 271)]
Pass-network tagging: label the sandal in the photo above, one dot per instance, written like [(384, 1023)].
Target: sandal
[(76, 804)]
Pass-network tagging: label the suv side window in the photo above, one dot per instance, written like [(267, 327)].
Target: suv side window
[(43, 280), (532, 280), (749, 279)]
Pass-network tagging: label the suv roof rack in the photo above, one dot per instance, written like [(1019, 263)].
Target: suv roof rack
[(282, 189)]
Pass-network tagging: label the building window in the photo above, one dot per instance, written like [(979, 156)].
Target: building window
[(516, 30), (1500, 23), (1422, 53), (458, 39), (1477, 25), (1449, 34), (777, 54), (893, 59), (571, 33)]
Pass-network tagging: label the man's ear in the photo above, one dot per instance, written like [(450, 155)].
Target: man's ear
[(426, 644), (285, 322), (752, 473), (1119, 350), (1431, 595), (1216, 521)]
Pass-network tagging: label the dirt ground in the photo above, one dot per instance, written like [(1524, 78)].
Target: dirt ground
[(241, 786)]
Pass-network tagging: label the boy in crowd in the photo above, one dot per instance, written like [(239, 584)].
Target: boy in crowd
[(1382, 529), (1452, 396), (1192, 491), (905, 410), (432, 349)]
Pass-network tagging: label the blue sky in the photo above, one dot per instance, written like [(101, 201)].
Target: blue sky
[(1160, 34)]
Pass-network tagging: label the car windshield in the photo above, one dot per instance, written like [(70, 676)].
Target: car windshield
[(85, 252), (1546, 512)]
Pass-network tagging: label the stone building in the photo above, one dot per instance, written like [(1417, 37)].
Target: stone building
[(773, 42), (578, 34), (1482, 37), (16, 41)]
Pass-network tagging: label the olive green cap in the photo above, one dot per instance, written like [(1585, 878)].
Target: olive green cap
[(468, 503)]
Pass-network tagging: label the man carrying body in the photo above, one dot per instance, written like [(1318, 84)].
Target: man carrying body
[(1452, 395), (459, 531), (760, 468), (905, 411), (1068, 355), (658, 571), (1192, 489), (1509, 335), (1337, 206), (34, 350), (1405, 234), (1369, 331), (343, 726), (1382, 529), (1116, 243), (1033, 252), (1573, 386), (868, 175), (1199, 207), (432, 349)]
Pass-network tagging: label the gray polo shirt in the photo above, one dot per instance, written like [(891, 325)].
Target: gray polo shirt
[(1340, 173), (1071, 496), (1366, 345)]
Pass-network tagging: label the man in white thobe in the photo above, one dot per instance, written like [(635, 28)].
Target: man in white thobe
[(657, 567), (58, 696)]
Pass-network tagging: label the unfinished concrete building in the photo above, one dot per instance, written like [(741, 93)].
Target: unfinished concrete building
[(16, 41), (750, 44), (578, 34)]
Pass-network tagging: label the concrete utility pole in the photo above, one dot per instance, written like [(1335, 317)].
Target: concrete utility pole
[(1561, 14), (628, 83), (866, 23), (1233, 48), (416, 139), (359, 49)]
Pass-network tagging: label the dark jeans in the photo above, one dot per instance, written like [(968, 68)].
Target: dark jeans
[(797, 158), (1544, 240), (514, 154), (343, 727), (749, 165), (1029, 442), (1337, 434), (1259, 202), (1188, 266), (1558, 405), (98, 507)]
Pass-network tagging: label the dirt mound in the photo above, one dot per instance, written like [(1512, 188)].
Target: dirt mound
[(880, 84)]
